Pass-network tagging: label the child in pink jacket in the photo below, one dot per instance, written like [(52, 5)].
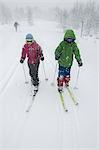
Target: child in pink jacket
[(34, 54)]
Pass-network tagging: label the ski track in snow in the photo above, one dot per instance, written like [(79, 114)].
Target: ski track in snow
[(9, 76), (67, 126)]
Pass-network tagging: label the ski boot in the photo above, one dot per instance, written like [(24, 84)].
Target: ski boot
[(60, 89), (35, 89)]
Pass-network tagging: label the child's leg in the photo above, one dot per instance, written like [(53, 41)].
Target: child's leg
[(60, 79), (67, 76), (33, 71), (37, 68)]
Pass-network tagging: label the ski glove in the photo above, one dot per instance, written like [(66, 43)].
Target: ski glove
[(22, 60), (80, 63), (42, 58)]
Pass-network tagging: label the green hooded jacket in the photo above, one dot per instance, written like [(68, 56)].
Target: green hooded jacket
[(65, 51)]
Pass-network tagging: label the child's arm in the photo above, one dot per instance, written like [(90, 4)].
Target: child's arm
[(40, 52), (41, 55), (77, 55), (58, 51), (23, 55), (76, 52)]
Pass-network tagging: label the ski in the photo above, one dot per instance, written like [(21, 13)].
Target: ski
[(71, 95), (33, 97), (62, 100)]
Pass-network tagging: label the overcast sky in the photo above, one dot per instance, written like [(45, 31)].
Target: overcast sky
[(48, 1)]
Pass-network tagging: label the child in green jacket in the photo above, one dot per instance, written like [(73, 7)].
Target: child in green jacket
[(64, 54)]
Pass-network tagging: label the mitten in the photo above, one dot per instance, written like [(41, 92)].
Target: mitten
[(80, 63), (22, 60), (42, 58)]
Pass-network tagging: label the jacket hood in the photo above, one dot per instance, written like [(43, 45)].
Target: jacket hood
[(69, 34)]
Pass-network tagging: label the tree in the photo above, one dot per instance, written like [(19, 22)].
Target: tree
[(30, 16), (5, 14)]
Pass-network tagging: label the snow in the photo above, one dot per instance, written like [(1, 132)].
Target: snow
[(46, 126)]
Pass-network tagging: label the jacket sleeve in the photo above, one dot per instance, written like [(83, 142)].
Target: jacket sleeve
[(76, 52), (23, 55), (58, 51), (41, 55), (40, 51)]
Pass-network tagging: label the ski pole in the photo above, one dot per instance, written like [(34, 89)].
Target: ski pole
[(44, 71), (24, 74), (54, 75), (75, 87)]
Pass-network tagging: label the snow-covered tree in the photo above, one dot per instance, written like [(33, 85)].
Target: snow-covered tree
[(30, 15), (5, 14)]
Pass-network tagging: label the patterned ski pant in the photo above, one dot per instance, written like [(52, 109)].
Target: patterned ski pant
[(63, 75)]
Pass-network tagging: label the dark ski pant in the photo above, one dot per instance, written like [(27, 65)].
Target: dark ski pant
[(33, 71)]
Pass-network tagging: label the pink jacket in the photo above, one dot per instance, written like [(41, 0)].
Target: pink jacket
[(33, 52)]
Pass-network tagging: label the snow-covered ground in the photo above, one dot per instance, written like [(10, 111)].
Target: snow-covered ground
[(46, 126)]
